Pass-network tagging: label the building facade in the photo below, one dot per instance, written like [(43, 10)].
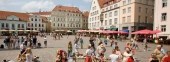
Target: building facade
[(46, 18), (85, 20), (110, 14), (36, 23), (131, 15), (66, 18), (13, 21), (94, 19), (161, 17)]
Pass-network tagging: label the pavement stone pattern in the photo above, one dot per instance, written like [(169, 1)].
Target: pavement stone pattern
[(49, 54)]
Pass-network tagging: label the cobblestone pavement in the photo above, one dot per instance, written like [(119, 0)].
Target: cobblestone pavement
[(49, 54)]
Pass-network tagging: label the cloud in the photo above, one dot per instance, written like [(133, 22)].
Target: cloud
[(87, 0), (45, 5)]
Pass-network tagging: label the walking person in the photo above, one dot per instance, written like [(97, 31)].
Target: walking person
[(111, 42), (145, 44), (34, 41), (81, 42), (45, 41), (70, 49)]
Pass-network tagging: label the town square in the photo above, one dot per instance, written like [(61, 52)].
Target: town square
[(84, 31)]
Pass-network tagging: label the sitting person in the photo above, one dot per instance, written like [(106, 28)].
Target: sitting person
[(153, 58), (166, 58)]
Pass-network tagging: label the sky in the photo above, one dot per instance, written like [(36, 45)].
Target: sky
[(43, 5)]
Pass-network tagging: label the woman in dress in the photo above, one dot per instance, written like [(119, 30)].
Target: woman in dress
[(89, 53)]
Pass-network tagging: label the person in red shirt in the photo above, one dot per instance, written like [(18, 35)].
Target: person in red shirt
[(166, 58)]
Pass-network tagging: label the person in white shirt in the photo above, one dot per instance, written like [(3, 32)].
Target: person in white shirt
[(45, 41), (114, 57)]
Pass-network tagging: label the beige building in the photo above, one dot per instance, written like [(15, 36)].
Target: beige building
[(66, 18), (162, 17)]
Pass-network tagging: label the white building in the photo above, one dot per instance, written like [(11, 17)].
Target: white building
[(36, 23), (66, 18), (111, 14), (95, 21), (13, 21), (162, 17)]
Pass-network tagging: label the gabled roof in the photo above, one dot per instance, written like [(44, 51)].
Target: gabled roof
[(22, 16), (67, 9), (41, 13)]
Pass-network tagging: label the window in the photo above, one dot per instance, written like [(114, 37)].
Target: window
[(42, 25), (163, 28), (28, 24), (124, 2), (32, 25), (146, 19), (110, 22), (129, 1), (39, 25), (129, 9), (110, 7), (7, 25), (124, 11), (106, 15), (22, 25), (18, 25), (105, 22), (2, 25), (110, 14), (164, 16), (31, 19), (139, 19), (13, 26), (35, 25), (115, 5), (115, 21), (123, 19), (53, 24), (61, 25), (115, 13), (146, 10), (58, 25), (35, 19), (129, 18), (164, 3), (140, 9)]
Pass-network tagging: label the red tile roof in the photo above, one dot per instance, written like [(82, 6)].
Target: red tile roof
[(86, 14), (22, 16), (67, 9), (44, 19), (41, 13), (114, 1), (101, 2)]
